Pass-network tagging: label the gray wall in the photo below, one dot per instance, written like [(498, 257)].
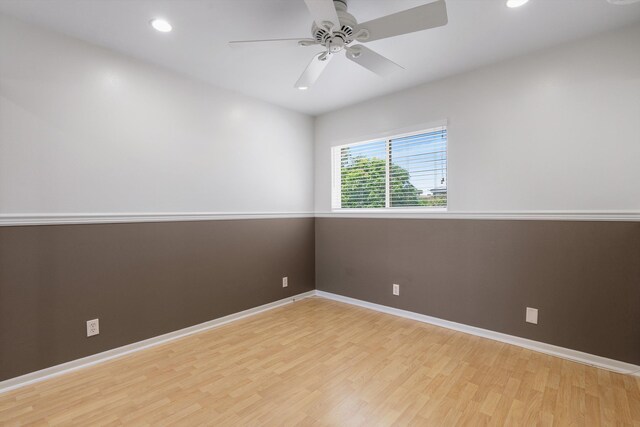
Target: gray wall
[(146, 279), (141, 280), (584, 277)]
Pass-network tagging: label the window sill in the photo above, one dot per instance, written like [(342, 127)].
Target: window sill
[(426, 210)]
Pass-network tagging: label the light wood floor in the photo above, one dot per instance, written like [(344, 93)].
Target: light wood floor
[(319, 362)]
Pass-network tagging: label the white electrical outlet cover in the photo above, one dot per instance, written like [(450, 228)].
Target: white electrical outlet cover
[(285, 282), (532, 315), (396, 289), (93, 327)]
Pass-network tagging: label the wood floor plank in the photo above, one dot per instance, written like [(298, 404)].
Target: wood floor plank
[(320, 362)]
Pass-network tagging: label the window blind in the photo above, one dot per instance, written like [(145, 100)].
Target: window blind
[(405, 171), (418, 174)]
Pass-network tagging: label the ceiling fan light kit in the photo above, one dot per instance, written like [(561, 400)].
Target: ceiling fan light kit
[(336, 30)]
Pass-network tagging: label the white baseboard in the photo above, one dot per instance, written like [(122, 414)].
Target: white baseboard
[(94, 359), (565, 353)]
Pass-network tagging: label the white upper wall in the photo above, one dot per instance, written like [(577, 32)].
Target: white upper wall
[(87, 130), (555, 130)]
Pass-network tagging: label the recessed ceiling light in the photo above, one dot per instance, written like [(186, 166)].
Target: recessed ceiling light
[(516, 3), (161, 25), (303, 87)]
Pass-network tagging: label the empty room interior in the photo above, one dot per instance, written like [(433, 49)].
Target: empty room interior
[(320, 212)]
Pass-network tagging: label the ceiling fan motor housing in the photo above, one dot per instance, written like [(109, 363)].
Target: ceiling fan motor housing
[(336, 39)]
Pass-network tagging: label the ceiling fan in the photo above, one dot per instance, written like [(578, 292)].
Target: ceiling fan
[(336, 30)]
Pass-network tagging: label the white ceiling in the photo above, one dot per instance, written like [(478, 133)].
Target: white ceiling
[(479, 32)]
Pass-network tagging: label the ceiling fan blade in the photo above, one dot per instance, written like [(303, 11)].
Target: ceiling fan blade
[(372, 61), (323, 11), (408, 21), (313, 70), (291, 42)]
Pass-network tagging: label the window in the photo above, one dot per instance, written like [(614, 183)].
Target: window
[(405, 171)]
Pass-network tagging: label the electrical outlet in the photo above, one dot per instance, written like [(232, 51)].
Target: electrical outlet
[(396, 289), (93, 327), (532, 315), (285, 282)]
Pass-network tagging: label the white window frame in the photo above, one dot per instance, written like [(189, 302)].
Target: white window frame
[(336, 175)]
